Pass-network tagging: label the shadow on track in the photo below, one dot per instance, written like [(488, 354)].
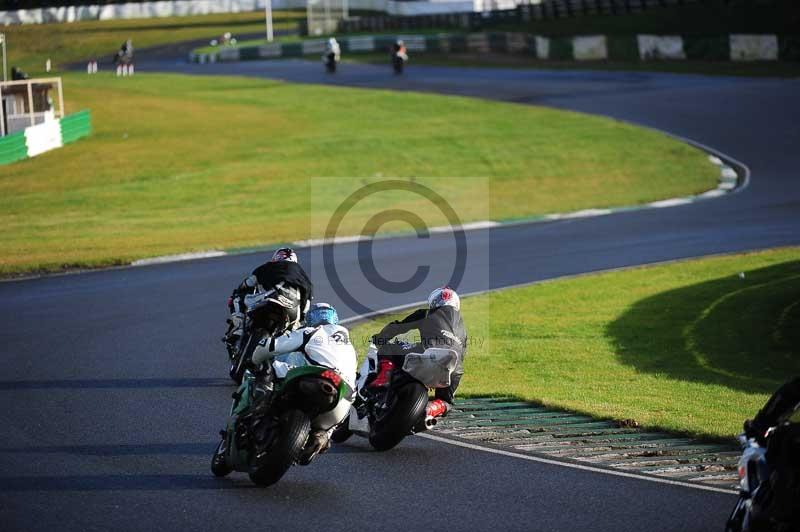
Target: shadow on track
[(742, 333), (80, 384), (201, 449), (287, 488)]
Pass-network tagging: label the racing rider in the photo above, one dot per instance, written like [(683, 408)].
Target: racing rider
[(281, 268), (440, 325)]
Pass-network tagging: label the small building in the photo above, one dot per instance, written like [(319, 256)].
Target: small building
[(28, 102)]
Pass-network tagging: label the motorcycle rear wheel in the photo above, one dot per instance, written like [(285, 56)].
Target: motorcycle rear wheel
[(410, 402), (284, 451)]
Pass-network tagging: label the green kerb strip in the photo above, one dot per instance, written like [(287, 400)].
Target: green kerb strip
[(530, 428)]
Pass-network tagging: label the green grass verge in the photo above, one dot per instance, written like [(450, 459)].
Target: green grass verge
[(523, 61), (687, 347), (180, 163), (30, 45)]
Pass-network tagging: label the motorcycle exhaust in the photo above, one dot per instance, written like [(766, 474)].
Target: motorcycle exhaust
[(430, 422), (328, 388)]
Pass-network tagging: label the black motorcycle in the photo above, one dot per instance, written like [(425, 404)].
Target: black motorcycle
[(269, 313), (386, 415), (330, 62), (398, 62)]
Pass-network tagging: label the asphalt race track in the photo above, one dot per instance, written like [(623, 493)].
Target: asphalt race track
[(114, 382)]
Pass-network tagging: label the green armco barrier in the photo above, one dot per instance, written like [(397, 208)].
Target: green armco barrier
[(498, 42), (623, 47), (715, 48), (561, 49), (789, 47), (249, 52), (292, 50), (13, 148), (76, 126), (618, 47)]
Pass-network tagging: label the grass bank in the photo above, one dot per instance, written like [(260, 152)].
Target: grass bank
[(30, 45), (689, 346), (179, 163)]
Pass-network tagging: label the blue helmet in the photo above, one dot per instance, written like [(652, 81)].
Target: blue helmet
[(320, 314)]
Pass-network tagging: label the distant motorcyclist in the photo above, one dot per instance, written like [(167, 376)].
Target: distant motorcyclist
[(398, 56), (281, 273), (324, 342), (776, 499), (399, 50), (124, 55), (332, 51), (440, 325)]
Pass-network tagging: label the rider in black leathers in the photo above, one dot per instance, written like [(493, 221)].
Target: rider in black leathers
[(282, 268), (440, 325), (778, 498)]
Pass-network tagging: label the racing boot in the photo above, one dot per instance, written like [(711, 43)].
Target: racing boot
[(385, 369), (318, 442)]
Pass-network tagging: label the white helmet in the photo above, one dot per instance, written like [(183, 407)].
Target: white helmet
[(284, 254), (444, 297)]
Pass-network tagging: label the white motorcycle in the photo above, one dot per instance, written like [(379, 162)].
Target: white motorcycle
[(385, 415), (753, 470)]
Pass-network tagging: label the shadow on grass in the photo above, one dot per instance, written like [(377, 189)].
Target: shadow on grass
[(742, 333)]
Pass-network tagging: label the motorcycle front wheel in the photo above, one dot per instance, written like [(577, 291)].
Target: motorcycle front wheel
[(736, 520), (409, 406), (238, 364), (219, 465), (269, 466)]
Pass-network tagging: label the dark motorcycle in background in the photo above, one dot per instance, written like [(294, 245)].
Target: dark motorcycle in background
[(399, 59), (331, 62), (754, 475), (268, 314), (386, 415)]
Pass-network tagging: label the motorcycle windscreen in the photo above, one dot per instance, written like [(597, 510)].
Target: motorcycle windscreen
[(433, 367)]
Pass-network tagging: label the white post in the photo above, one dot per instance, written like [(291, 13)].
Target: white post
[(5, 69), (60, 99), (268, 12), (30, 103), (2, 114)]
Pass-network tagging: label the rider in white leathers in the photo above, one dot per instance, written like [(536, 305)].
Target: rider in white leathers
[(322, 342)]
